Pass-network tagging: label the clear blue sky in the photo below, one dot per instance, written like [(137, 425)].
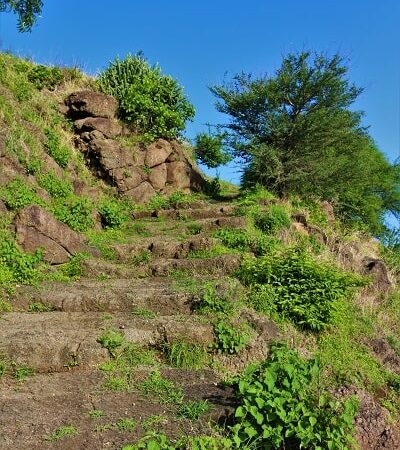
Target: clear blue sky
[(198, 42)]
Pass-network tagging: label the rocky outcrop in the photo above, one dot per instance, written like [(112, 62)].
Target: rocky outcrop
[(138, 171), (37, 228)]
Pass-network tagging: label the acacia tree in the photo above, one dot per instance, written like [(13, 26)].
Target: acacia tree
[(295, 134), (26, 10)]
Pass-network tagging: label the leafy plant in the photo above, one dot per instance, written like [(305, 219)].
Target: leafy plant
[(96, 413), (230, 339), (22, 373), (144, 257), (281, 406), (192, 409), (143, 312), (209, 150), (57, 188), (45, 77), (212, 303), (40, 307), (111, 340), (113, 213), (76, 212), (303, 291), (153, 103), (59, 152), (274, 219), (18, 194)]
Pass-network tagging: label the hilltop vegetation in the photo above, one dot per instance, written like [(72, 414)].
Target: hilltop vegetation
[(269, 312)]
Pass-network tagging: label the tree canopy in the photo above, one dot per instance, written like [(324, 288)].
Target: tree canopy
[(26, 10), (295, 134)]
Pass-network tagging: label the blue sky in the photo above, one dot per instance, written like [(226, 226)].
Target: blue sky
[(199, 42)]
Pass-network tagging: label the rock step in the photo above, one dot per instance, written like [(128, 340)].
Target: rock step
[(116, 295), (188, 213), (46, 402), (214, 266), (163, 247), (55, 341)]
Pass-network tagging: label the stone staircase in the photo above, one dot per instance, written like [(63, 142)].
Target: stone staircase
[(143, 300)]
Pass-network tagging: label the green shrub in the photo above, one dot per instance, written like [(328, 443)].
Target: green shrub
[(56, 187), (76, 212), (113, 213), (15, 265), (230, 338), (18, 194), (212, 303), (59, 152), (209, 150), (45, 77), (186, 356), (153, 103), (111, 340), (275, 219), (304, 291), (281, 406)]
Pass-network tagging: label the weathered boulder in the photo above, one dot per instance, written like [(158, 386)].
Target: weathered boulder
[(158, 176), (157, 153), (142, 193), (377, 268), (91, 104), (178, 175), (110, 128), (327, 209), (37, 228)]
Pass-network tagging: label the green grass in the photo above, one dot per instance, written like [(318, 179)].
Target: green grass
[(143, 312), (62, 432), (186, 356), (193, 409), (158, 388), (96, 413), (20, 374), (38, 307)]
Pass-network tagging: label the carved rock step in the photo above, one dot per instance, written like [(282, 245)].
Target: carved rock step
[(55, 341), (115, 295), (190, 213), (47, 401)]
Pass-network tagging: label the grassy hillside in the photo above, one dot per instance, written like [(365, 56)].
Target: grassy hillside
[(152, 344)]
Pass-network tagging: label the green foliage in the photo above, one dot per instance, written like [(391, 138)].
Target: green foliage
[(194, 228), (96, 413), (297, 135), (45, 77), (153, 441), (230, 338), (212, 303), (209, 150), (76, 212), (153, 103), (57, 188), (22, 373), (113, 213), (4, 305), (62, 432), (18, 194), (175, 200), (59, 152), (40, 307), (15, 265), (143, 312), (273, 220), (192, 409), (157, 387), (26, 10), (111, 340), (142, 258), (301, 290), (186, 356), (282, 407)]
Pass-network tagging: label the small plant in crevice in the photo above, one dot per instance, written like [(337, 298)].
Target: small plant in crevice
[(143, 312), (56, 187), (36, 307), (142, 258), (95, 413), (164, 391), (229, 338), (273, 220), (20, 374), (282, 406), (211, 302), (17, 194)]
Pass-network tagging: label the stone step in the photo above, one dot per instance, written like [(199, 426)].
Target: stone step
[(55, 341), (31, 411), (163, 247), (207, 212), (116, 295)]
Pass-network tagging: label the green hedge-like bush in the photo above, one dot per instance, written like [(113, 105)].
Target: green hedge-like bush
[(301, 289), (152, 102)]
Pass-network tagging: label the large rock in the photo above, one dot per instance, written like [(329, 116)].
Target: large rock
[(178, 175), (142, 193), (157, 153), (110, 128), (91, 104), (158, 176), (377, 268), (37, 228)]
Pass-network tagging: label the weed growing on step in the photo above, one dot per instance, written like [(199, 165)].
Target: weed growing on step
[(194, 228), (17, 194), (5, 306), (186, 356), (111, 340), (75, 211), (154, 422), (193, 409), (39, 307), (155, 386), (217, 250), (142, 258), (139, 229), (20, 374), (274, 219), (96, 413), (62, 432), (143, 312), (56, 187), (212, 303), (113, 212), (230, 339), (123, 424)]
